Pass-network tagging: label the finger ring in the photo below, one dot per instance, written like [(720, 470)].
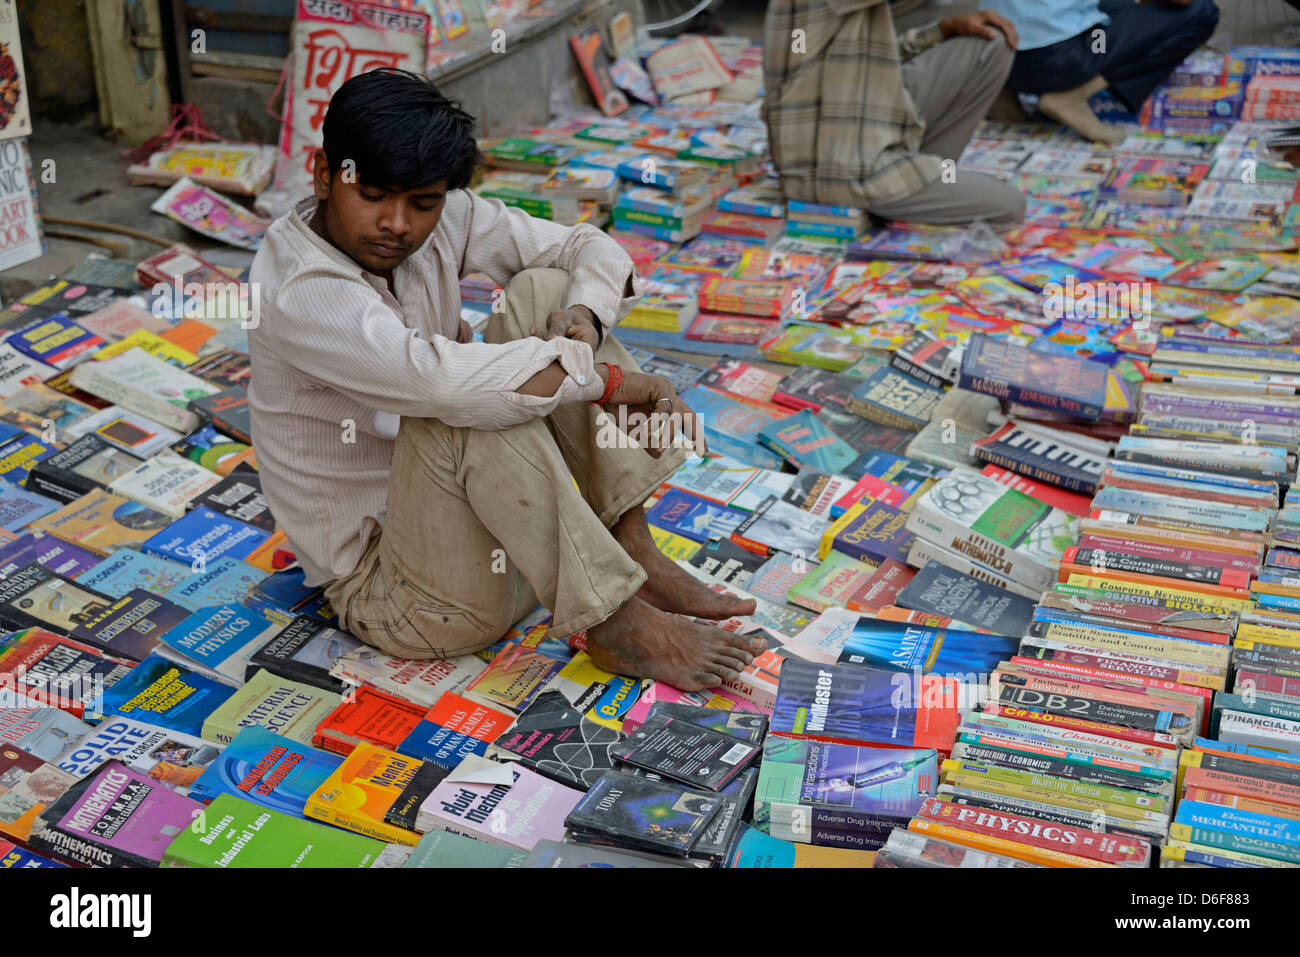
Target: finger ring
[(666, 399)]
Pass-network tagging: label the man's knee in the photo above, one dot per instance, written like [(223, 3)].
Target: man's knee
[(990, 57), (529, 298)]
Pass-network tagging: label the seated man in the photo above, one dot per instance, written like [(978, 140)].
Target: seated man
[(436, 486), (850, 124), (1071, 49)]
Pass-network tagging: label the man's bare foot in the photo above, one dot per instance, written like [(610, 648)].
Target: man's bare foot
[(1072, 108), (668, 587), (643, 642)]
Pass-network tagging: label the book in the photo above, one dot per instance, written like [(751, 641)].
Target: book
[(367, 714), (806, 788), (943, 591), (227, 411), (1006, 530), (849, 704), (166, 483), (1030, 377), (871, 532), (35, 597), (514, 677), (586, 46), (271, 771), (202, 536), (126, 569), (829, 584), (376, 792), (779, 526), (644, 814), (805, 441), (419, 682), (103, 522), (28, 785), (288, 708), (51, 669), (89, 463), (172, 757), (239, 496), (501, 804), (555, 740), (683, 751), (693, 517), (123, 429), (232, 833), (304, 650), (163, 693), (442, 849), (142, 383), (115, 817), (891, 398), (220, 640), (225, 581), (453, 729)]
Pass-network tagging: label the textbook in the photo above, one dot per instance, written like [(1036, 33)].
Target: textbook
[(35, 597), (203, 536), (131, 626), (126, 569), (172, 757), (557, 741), (419, 682), (87, 464), (115, 817), (693, 517), (807, 788), (304, 650), (453, 729), (219, 640), (63, 558), (231, 832), (376, 792), (45, 732), (53, 670), (1031, 377), (103, 522), (267, 769), (239, 496), (892, 398), (367, 714), (848, 704), (286, 707), (804, 441), (125, 430), (503, 804), (163, 693), (943, 591), (145, 384), (166, 483), (225, 581)]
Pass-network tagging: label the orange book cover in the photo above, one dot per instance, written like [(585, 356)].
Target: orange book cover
[(1259, 789), (367, 715), (469, 718), (999, 845), (376, 792), (273, 554), (189, 334), (1241, 803)]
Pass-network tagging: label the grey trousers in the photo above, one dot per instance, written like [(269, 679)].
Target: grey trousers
[(953, 84)]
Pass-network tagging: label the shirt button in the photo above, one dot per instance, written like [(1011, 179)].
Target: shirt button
[(582, 379)]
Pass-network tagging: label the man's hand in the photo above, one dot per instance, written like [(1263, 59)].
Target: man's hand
[(654, 413), (981, 23), (576, 322)]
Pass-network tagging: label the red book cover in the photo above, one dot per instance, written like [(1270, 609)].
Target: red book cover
[(881, 588), (1158, 738), (1073, 502), (470, 718), (595, 67), (731, 330), (367, 714)]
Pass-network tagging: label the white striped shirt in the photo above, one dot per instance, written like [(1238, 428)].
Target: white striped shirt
[(337, 359)]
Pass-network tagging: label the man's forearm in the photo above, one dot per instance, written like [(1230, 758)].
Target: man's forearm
[(546, 383)]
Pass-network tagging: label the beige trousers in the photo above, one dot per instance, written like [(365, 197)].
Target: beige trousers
[(483, 524)]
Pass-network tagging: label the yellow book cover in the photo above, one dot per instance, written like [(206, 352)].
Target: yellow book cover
[(101, 521), (841, 523), (155, 345), (603, 697), (1160, 591), (1268, 635), (1000, 845), (1177, 850), (676, 547), (374, 792)]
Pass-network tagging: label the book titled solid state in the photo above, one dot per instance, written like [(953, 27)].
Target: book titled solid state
[(1044, 380), (855, 705)]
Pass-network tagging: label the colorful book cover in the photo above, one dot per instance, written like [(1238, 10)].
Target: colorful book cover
[(855, 705), (221, 638), (172, 757), (19, 455), (808, 786), (804, 440), (442, 849), (892, 398), (35, 597), (305, 650), (419, 682), (555, 740), (233, 833), (103, 522), (376, 792), (44, 732), (126, 569), (731, 425), (116, 817), (226, 580), (1017, 374), (288, 708), (871, 532), (62, 558), (502, 804), (27, 786), (515, 677), (204, 536), (888, 646), (452, 729), (131, 626), (267, 769), (693, 517), (367, 714), (161, 692), (20, 508), (829, 584), (57, 671), (600, 696)]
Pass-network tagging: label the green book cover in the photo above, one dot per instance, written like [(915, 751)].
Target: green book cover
[(289, 708), (829, 584), (444, 849), (232, 832)]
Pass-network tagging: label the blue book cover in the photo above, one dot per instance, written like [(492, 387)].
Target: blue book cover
[(439, 745), (1208, 744), (215, 635), (127, 569), (1035, 271), (856, 705), (286, 590), (19, 507), (796, 227), (1044, 380), (804, 440), (63, 557), (225, 580), (819, 209), (54, 340), (731, 426), (161, 692), (19, 858), (692, 517), (267, 769), (18, 455), (204, 536), (897, 646), (1264, 827), (130, 626)]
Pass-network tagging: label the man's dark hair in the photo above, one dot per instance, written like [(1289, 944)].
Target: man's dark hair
[(400, 132)]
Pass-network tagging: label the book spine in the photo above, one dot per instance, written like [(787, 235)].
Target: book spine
[(1242, 843), (1033, 833), (58, 843), (624, 214), (1086, 772), (1104, 560), (151, 407), (1029, 465), (907, 367), (999, 845)]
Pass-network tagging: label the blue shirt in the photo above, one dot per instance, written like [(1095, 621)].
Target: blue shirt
[(1040, 23)]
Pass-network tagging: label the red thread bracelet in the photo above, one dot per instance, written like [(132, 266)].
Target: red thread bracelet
[(611, 386)]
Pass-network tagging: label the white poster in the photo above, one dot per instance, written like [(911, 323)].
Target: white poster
[(20, 224)]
